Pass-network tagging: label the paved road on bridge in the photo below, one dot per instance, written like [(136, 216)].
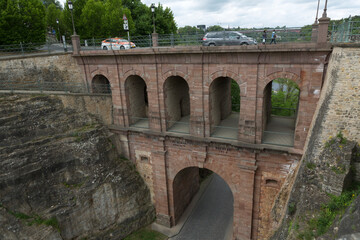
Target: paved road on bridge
[(211, 218)]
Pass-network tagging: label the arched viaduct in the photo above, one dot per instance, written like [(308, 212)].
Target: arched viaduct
[(168, 108)]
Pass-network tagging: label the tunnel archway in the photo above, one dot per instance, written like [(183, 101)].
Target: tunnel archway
[(137, 101), (210, 199), (177, 104), (280, 111), (100, 84), (224, 101)]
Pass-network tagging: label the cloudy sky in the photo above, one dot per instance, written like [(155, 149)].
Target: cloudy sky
[(255, 13)]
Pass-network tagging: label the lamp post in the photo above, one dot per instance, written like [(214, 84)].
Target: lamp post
[(70, 5), (57, 21), (153, 13)]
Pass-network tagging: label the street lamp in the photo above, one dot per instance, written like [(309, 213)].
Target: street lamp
[(57, 21), (70, 5), (153, 13)]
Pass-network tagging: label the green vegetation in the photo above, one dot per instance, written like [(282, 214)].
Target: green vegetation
[(284, 97), (310, 165), (27, 21), (329, 211), (235, 96), (22, 21), (146, 234), (35, 219)]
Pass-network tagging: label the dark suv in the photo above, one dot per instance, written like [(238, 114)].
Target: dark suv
[(227, 38)]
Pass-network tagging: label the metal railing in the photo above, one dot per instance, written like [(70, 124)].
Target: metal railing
[(286, 112), (345, 32), (54, 87), (31, 48), (178, 127), (278, 138)]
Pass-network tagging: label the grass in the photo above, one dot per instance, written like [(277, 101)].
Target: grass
[(146, 234), (335, 207)]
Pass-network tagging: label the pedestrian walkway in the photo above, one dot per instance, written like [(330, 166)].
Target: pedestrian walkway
[(208, 217)]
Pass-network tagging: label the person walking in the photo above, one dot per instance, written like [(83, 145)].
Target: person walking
[(264, 37), (273, 37)]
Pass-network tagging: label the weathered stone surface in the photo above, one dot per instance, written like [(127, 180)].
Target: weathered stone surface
[(60, 164), (326, 162)]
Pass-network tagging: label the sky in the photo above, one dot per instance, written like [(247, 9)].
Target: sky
[(255, 13)]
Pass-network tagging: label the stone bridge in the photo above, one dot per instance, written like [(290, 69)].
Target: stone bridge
[(172, 116)]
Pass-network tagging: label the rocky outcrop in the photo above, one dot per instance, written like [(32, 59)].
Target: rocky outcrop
[(61, 176)]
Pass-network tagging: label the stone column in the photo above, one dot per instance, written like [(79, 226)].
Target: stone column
[(155, 38), (323, 29), (75, 39), (314, 32)]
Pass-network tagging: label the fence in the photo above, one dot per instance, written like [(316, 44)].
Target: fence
[(345, 32), (31, 48), (54, 87)]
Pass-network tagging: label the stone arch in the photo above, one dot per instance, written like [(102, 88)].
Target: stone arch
[(172, 73), (100, 84), (281, 74), (226, 73), (279, 123), (136, 93), (176, 97), (136, 73)]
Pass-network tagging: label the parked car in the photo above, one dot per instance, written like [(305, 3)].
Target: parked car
[(227, 38), (116, 44)]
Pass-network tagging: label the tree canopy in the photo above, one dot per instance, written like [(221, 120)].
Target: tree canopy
[(22, 21)]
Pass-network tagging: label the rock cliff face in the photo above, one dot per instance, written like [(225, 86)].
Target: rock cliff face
[(61, 177)]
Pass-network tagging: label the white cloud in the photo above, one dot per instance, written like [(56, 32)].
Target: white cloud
[(245, 13)]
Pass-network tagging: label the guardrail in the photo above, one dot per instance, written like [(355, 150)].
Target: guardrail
[(55, 87), (286, 112), (22, 49), (345, 32)]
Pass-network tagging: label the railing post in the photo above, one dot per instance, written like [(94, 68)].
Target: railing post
[(22, 49), (155, 38), (93, 41), (323, 29), (172, 39), (75, 39), (48, 46)]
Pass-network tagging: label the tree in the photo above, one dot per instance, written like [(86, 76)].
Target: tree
[(53, 13), (112, 20), (47, 3), (215, 28), (164, 20), (22, 21), (284, 97), (91, 19), (189, 30)]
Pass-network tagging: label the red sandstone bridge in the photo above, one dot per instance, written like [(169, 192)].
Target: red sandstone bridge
[(172, 115)]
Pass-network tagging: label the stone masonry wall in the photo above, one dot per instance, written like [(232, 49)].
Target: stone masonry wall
[(53, 68), (338, 110), (339, 104)]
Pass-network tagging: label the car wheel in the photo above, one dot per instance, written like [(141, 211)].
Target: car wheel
[(211, 44), (105, 48), (244, 43), (122, 47)]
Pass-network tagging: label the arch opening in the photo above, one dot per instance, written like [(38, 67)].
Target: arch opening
[(280, 111), (224, 108), (100, 84), (208, 199), (177, 104), (137, 102)]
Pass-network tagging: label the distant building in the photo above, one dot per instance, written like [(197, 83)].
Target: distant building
[(201, 27)]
